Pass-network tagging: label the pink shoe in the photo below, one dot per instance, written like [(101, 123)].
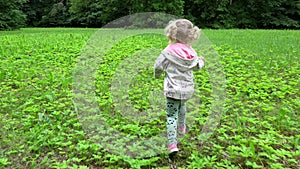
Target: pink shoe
[(182, 129), (173, 148)]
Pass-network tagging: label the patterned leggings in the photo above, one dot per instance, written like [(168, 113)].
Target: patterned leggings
[(176, 110)]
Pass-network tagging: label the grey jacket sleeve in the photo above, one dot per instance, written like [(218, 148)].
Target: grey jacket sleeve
[(160, 65)]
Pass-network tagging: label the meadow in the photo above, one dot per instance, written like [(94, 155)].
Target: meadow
[(41, 126)]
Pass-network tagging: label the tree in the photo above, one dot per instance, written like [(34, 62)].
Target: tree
[(280, 14), (216, 14), (57, 16), (86, 12), (11, 16), (212, 14), (156, 13), (47, 12), (98, 13), (174, 7), (244, 13)]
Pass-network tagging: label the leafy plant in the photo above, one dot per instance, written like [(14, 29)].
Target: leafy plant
[(41, 127)]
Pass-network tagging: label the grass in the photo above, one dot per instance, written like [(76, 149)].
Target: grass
[(41, 127), (268, 43)]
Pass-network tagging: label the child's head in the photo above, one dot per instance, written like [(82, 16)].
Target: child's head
[(182, 31)]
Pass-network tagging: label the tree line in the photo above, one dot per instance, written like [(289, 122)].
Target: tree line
[(252, 14)]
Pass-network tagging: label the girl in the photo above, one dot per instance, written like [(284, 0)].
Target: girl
[(178, 60)]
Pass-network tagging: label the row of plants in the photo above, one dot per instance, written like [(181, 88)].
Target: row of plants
[(41, 126)]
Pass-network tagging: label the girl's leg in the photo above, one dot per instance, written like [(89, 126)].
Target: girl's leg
[(181, 117), (172, 110)]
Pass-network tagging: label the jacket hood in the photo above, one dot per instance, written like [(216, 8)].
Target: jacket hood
[(182, 55)]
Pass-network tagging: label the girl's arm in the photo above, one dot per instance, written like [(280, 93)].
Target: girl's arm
[(160, 66)]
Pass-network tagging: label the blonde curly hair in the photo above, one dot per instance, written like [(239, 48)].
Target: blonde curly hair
[(182, 31)]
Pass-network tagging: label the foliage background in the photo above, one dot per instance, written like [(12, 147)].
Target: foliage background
[(254, 14)]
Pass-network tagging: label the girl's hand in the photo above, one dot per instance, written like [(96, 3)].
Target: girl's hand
[(202, 59), (201, 62)]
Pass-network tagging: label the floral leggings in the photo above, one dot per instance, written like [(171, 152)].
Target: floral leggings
[(176, 110)]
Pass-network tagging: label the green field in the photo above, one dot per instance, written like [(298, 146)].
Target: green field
[(41, 127)]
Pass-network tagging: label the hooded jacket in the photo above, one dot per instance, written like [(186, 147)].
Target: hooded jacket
[(178, 60)]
